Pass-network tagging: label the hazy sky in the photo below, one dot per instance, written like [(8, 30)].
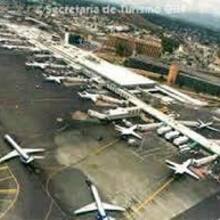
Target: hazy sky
[(203, 6)]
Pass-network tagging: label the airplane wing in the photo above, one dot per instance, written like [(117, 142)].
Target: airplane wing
[(38, 157), (109, 207), (33, 150), (136, 135), (213, 129), (88, 208), (10, 155), (189, 172)]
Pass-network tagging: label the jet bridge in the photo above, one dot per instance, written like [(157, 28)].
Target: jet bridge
[(206, 143)]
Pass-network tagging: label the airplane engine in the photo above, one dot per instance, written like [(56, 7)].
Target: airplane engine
[(163, 130), (180, 140), (171, 135), (132, 142)]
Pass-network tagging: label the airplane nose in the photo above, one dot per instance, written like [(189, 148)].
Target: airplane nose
[(88, 182)]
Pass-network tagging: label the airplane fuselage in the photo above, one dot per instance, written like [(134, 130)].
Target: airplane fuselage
[(101, 211), (180, 170), (98, 206), (55, 79), (25, 158), (93, 97)]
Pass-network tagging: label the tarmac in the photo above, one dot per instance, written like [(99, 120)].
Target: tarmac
[(52, 189), (207, 209)]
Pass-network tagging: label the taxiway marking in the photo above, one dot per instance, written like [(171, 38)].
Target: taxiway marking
[(103, 148), (6, 178), (153, 195), (49, 211), (4, 168), (92, 153), (10, 191)]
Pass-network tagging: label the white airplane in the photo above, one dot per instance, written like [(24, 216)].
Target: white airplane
[(98, 206), (143, 127), (128, 131), (182, 168), (23, 153), (57, 79), (204, 160), (21, 47), (93, 97), (201, 125)]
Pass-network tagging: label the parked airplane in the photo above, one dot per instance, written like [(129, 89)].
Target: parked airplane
[(182, 168), (128, 131), (152, 126), (23, 153), (143, 127), (204, 160), (93, 97), (201, 125), (98, 205), (57, 79)]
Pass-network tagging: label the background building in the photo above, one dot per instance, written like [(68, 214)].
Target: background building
[(127, 45)]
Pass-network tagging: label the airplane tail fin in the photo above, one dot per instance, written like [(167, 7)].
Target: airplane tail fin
[(170, 163), (171, 167), (118, 128)]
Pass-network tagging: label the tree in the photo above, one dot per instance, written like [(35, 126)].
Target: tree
[(169, 44)]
